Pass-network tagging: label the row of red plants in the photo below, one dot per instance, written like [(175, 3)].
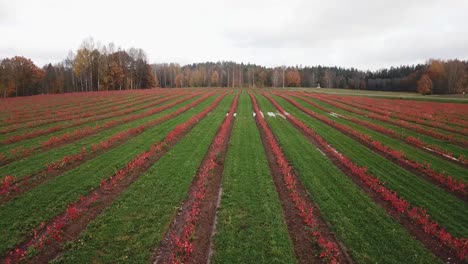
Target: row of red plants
[(183, 243), (21, 152), (51, 105), (53, 231), (109, 110), (12, 184), (449, 113), (418, 215), (400, 123), (80, 121), (76, 108), (32, 113), (397, 155), (389, 132), (375, 106), (330, 250), (423, 112)]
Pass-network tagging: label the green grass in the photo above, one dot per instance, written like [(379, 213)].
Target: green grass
[(36, 163), (251, 227), (368, 232), (456, 150), (450, 98), (140, 103), (37, 141), (411, 152), (27, 211), (129, 230), (27, 107), (443, 207), (359, 106)]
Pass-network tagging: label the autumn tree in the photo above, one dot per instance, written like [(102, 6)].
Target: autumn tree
[(148, 80), (456, 73), (22, 77), (262, 78), (425, 85), (215, 79), (179, 80), (293, 78)]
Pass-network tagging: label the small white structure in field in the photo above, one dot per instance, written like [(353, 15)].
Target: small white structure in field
[(254, 114), (235, 114), (271, 114)]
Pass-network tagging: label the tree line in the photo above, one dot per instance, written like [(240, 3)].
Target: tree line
[(94, 67)]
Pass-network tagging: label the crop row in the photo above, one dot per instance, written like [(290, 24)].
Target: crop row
[(46, 109), (418, 215), (433, 149), (53, 231), (403, 111), (80, 117), (183, 243), (310, 217), (410, 138), (21, 152), (12, 183), (401, 123), (77, 122), (398, 156)]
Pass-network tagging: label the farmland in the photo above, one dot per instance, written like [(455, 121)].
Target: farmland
[(210, 175)]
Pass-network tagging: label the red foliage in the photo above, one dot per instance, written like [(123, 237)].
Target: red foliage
[(53, 231), (399, 156), (417, 214), (306, 211), (183, 245), (8, 184), (22, 152)]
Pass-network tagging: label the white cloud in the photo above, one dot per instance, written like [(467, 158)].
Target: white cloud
[(364, 34)]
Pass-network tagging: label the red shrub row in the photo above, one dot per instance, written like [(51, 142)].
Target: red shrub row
[(183, 243), (450, 113), (106, 144), (44, 107), (8, 184), (408, 114), (83, 117), (399, 156), (53, 231), (78, 122), (416, 214), (306, 211), (400, 123), (21, 152)]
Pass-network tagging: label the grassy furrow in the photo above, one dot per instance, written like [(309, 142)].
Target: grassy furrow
[(129, 230), (140, 103), (251, 227), (20, 215), (37, 141), (36, 163), (78, 106), (413, 153), (443, 207), (368, 232), (426, 127), (456, 150)]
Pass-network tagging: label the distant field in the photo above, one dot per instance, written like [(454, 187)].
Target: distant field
[(396, 95), (301, 175)]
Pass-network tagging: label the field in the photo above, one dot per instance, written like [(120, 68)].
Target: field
[(233, 176)]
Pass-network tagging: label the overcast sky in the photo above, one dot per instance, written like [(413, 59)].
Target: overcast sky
[(365, 34)]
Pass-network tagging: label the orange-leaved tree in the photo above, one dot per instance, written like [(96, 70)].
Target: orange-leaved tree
[(425, 85)]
